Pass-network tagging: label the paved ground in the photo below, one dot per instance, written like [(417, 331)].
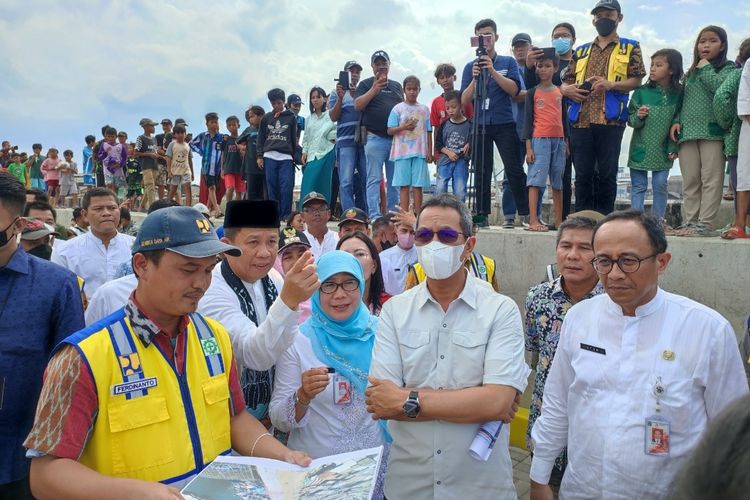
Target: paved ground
[(521, 463)]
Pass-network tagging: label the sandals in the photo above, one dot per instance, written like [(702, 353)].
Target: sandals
[(697, 230), (734, 233), (537, 228)]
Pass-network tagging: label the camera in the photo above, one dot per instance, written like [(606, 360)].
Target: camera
[(343, 79)]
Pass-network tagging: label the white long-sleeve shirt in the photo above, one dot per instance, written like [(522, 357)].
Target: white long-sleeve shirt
[(600, 391), (110, 297), (256, 348), (743, 94), (87, 256), (395, 263)]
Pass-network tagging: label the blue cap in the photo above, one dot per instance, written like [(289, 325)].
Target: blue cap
[(182, 230), (294, 99)]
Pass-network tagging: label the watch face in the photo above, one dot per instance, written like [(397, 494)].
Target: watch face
[(411, 408)]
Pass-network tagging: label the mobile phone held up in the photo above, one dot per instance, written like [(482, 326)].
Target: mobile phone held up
[(586, 86), (343, 79)]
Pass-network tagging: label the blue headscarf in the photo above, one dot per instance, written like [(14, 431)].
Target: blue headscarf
[(345, 345)]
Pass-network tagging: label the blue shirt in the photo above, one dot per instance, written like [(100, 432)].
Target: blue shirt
[(347, 124), (40, 305), (519, 108), (87, 152), (210, 150), (499, 110)]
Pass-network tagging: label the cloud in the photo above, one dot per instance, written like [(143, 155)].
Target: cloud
[(650, 8)]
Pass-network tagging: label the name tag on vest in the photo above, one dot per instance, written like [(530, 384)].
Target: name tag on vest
[(598, 350), (138, 385)]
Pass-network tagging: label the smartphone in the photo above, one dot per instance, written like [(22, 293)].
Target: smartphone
[(343, 79), (331, 370), (586, 86), (486, 40)]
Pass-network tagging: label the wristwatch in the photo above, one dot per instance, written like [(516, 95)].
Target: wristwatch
[(411, 405), (298, 401)]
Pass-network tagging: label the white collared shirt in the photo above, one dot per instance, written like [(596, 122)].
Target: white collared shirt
[(87, 256), (395, 263), (330, 240), (479, 340), (110, 297), (600, 391), (255, 347)]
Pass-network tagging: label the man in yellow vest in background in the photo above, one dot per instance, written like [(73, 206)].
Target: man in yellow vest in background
[(138, 403), (598, 82)]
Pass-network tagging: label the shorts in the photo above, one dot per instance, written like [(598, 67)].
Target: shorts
[(114, 179), (743, 158), (549, 161), (38, 182), (234, 181), (68, 189), (179, 180), (161, 176), (211, 180), (53, 183), (411, 172), (134, 193)]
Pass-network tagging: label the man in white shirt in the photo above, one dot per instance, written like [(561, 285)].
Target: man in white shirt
[(315, 212), (259, 309), (396, 260), (448, 357), (96, 255), (638, 374)]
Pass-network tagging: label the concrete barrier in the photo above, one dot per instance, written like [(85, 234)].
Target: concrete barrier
[(710, 270)]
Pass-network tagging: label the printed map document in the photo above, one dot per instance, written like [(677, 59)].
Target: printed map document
[(348, 476)]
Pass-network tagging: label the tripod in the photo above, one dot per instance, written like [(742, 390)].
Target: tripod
[(475, 197)]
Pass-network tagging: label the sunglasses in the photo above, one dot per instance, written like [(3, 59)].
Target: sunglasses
[(446, 236)]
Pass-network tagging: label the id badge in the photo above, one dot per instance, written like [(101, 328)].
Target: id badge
[(487, 104), (657, 436), (342, 391)]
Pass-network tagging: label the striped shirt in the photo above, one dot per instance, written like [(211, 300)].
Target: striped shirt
[(347, 124), (210, 150)]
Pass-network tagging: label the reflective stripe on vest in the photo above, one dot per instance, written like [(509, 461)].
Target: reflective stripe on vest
[(208, 343), (127, 356)]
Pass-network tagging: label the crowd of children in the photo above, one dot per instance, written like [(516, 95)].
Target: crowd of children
[(687, 114)]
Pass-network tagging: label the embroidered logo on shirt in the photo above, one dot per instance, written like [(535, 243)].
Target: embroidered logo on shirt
[(591, 348), (130, 364), (138, 385), (210, 346)]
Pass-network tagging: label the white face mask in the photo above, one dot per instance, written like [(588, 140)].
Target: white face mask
[(440, 261)]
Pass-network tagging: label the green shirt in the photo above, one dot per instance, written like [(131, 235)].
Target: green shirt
[(697, 116), (36, 166), (18, 171), (725, 109), (650, 146)]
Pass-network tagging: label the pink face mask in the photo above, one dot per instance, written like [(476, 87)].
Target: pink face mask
[(406, 240)]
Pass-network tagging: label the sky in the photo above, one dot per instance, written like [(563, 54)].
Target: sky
[(71, 67)]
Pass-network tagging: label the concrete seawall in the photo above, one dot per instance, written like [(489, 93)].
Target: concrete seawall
[(709, 270)]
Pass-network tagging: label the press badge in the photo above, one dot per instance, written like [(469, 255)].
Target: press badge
[(342, 390), (657, 436)]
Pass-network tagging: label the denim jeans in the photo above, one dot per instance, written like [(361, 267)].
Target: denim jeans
[(352, 177), (639, 184), (509, 205), (455, 171), (280, 182), (378, 152)]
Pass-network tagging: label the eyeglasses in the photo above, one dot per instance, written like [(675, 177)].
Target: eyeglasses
[(329, 287), (361, 254), (315, 211), (446, 236), (604, 265)]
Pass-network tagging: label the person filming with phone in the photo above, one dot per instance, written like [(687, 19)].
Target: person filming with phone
[(376, 97)]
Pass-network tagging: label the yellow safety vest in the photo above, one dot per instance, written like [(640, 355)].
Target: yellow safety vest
[(151, 423), (615, 103), (481, 266)]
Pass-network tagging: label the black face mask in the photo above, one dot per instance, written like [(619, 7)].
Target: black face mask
[(605, 26), (41, 251), (386, 244), (4, 234)]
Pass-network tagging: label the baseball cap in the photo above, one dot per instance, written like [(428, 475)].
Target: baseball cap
[(351, 64), (182, 230), (294, 99), (520, 38), (354, 215), (312, 196), (36, 229), (166, 121), (180, 121), (378, 55), (290, 236), (606, 4), (203, 209), (146, 121)]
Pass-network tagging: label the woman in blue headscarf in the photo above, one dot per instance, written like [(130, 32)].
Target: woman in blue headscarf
[(318, 396)]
